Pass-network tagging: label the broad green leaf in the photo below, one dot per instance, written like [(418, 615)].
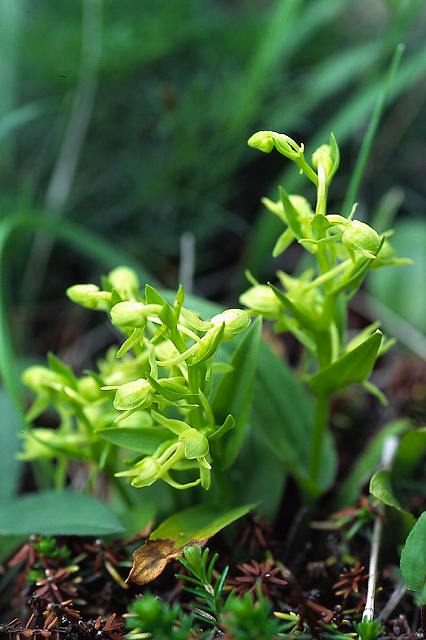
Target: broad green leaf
[(57, 513), (283, 417), (264, 487), (381, 488), (400, 520), (367, 462), (9, 446), (142, 439), (197, 523), (353, 366), (413, 559), (234, 394), (191, 526)]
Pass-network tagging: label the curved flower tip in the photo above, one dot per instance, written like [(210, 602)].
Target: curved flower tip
[(262, 140)]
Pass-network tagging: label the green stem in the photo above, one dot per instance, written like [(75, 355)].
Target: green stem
[(322, 410), (328, 275), (301, 163), (194, 385), (321, 207), (60, 473)]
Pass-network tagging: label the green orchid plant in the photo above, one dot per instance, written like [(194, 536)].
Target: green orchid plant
[(149, 395), (155, 394), (313, 306)]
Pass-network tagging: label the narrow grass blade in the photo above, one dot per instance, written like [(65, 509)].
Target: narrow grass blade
[(368, 140)]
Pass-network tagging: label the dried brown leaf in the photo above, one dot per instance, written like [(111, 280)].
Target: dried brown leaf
[(150, 560)]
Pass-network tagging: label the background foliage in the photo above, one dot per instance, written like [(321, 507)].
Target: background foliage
[(123, 126)]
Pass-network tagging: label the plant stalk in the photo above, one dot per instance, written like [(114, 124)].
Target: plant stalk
[(389, 449), (322, 411)]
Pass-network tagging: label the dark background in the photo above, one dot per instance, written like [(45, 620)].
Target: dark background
[(130, 119)]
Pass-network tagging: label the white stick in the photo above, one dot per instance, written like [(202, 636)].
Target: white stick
[(390, 446)]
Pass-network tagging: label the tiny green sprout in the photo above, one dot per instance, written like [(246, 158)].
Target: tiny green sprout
[(49, 548), (369, 629), (149, 617), (247, 619)]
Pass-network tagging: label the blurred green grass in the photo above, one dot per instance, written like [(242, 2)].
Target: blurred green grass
[(129, 121)]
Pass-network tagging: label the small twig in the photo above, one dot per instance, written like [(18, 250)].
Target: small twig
[(393, 601), (187, 261), (390, 446)]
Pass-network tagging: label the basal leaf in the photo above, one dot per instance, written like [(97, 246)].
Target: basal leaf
[(413, 559), (191, 526), (9, 446), (366, 463), (234, 393), (353, 366), (283, 417), (381, 488), (57, 513)]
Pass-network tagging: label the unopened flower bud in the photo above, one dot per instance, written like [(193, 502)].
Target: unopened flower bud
[(89, 388), (89, 296), (360, 237), (125, 281), (262, 140), (287, 146), (144, 473), (266, 140), (129, 314), (195, 443), (133, 395), (323, 155), (235, 321), (38, 378), (262, 299)]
